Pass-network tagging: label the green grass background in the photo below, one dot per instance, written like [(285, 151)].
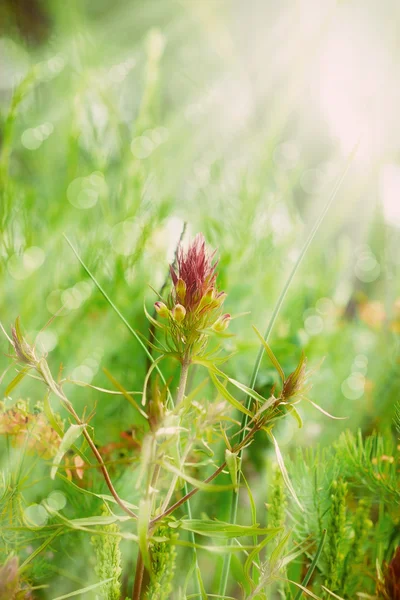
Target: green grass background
[(155, 114)]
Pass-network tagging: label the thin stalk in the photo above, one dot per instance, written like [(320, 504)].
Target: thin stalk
[(115, 309), (194, 491), (137, 590), (180, 396), (182, 381), (67, 404), (137, 587), (141, 580), (278, 305)]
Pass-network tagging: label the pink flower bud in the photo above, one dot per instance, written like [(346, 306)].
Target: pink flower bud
[(222, 323), (178, 313), (180, 288), (162, 309)]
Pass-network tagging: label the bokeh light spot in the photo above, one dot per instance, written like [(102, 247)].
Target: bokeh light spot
[(82, 373), (46, 340), (56, 500), (313, 324), (142, 147), (36, 515), (84, 192)]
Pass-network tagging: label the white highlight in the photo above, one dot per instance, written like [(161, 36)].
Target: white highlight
[(389, 184)]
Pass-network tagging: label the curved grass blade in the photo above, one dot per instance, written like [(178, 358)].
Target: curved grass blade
[(84, 590), (278, 305), (115, 309)]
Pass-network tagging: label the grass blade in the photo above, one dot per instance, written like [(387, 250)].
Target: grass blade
[(115, 309), (278, 306), (312, 566)]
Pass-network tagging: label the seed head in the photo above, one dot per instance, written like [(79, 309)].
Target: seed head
[(295, 384), (25, 353)]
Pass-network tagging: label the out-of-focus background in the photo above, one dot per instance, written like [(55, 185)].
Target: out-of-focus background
[(121, 121)]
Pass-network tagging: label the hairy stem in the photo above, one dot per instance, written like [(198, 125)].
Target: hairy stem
[(137, 590), (183, 381)]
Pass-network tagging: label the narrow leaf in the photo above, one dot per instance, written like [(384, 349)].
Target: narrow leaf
[(325, 412), (271, 355), (197, 483), (311, 568), (294, 412), (220, 529), (225, 394), (84, 590), (68, 440), (284, 472), (17, 379)]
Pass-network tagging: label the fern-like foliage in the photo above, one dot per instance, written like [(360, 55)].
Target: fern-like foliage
[(371, 462)]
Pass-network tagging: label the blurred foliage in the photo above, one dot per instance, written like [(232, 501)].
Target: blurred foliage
[(119, 123)]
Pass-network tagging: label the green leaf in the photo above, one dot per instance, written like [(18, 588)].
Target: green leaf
[(303, 589), (197, 483), (311, 568), (255, 553), (17, 379), (225, 394), (284, 472), (253, 522), (247, 390), (214, 549), (70, 437), (84, 590), (331, 593), (101, 520), (220, 529), (295, 414), (39, 549), (271, 355), (279, 549), (200, 580), (324, 412)]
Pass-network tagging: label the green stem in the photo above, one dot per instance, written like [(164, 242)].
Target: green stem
[(278, 305), (182, 381), (180, 396), (137, 590)]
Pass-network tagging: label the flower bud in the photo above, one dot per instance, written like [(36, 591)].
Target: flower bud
[(178, 313), (220, 298), (222, 323), (180, 288), (162, 309)]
